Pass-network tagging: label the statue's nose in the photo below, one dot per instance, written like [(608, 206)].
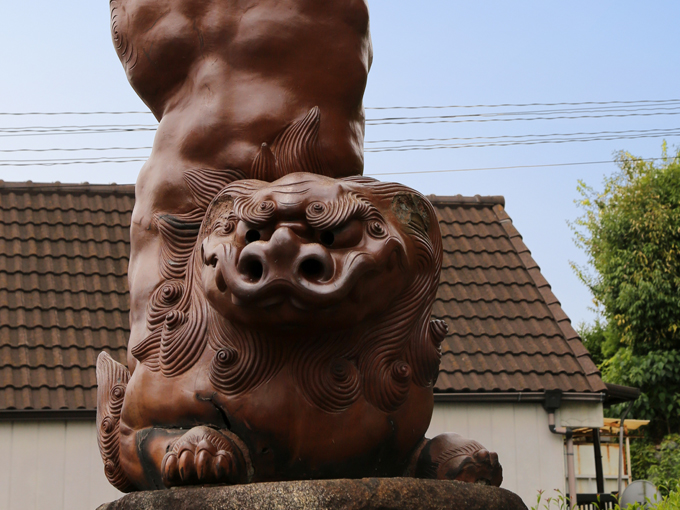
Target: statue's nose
[(284, 256), (269, 259)]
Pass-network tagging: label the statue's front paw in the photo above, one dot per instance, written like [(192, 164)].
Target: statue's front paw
[(203, 456), (452, 457)]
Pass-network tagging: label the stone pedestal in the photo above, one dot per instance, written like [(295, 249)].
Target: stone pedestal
[(365, 494)]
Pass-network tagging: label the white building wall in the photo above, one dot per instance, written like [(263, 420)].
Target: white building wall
[(532, 457), (52, 465), (55, 465)]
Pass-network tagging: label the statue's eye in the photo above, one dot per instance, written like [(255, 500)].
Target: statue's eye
[(327, 238), (345, 236), (376, 229), (252, 235)]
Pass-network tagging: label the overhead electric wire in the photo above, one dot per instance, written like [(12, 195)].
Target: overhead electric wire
[(573, 110), (86, 126), (67, 159), (520, 105), (423, 107), (604, 109), (80, 149), (76, 130), (472, 142), (57, 162), (518, 136), (73, 113), (132, 159), (446, 121), (405, 148), (505, 167), (89, 129)]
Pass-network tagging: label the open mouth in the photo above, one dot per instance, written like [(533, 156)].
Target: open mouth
[(254, 288), (275, 293)]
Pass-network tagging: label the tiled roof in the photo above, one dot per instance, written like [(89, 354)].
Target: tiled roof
[(63, 290), (63, 298), (507, 330)]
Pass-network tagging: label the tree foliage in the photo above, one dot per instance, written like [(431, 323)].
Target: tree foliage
[(631, 233), (657, 374)]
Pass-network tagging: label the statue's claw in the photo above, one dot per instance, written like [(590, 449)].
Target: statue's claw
[(203, 456), (452, 457)]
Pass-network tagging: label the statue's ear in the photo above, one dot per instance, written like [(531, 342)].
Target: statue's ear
[(411, 210)]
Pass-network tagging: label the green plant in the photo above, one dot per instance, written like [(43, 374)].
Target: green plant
[(631, 233), (671, 498), (642, 456), (657, 374), (669, 501), (558, 503), (666, 471)]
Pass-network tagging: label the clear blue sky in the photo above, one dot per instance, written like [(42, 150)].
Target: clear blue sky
[(57, 56)]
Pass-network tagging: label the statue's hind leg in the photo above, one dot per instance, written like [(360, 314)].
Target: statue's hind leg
[(453, 457), (112, 380)]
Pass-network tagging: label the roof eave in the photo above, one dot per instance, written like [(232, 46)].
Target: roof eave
[(617, 394), (514, 397), (47, 415), (490, 200)]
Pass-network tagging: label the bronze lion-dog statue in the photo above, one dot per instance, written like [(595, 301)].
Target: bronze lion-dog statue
[(279, 302), (297, 345)]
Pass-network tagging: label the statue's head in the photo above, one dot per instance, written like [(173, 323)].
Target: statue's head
[(334, 278), (309, 252)]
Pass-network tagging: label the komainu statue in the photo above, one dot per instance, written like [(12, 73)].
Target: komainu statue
[(280, 302), (298, 344)]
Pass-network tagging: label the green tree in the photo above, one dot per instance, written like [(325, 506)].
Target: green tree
[(631, 234)]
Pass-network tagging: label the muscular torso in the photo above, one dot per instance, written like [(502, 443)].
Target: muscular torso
[(225, 76)]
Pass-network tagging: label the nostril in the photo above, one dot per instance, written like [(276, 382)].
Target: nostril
[(311, 268), (254, 270), (252, 236), (211, 260)]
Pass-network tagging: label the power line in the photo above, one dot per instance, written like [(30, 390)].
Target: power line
[(74, 131), (424, 107), (401, 123), (86, 126), (519, 136), (485, 143), (89, 129), (505, 167), (74, 162), (73, 113), (132, 159), (405, 148), (513, 139), (81, 149), (520, 105), (604, 109)]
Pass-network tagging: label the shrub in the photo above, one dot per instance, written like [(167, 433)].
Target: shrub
[(665, 471)]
